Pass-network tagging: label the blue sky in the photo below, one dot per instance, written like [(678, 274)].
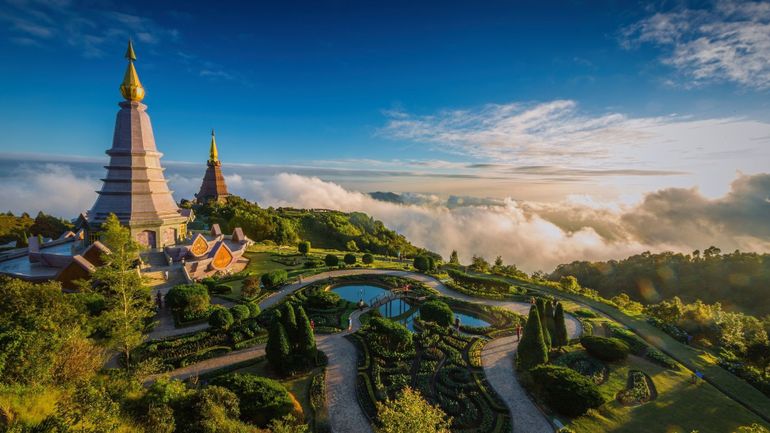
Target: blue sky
[(373, 85)]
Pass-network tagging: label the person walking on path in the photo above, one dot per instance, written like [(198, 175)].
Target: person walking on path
[(350, 323), (518, 332)]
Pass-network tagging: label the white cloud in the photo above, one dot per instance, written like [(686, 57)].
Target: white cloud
[(727, 42), (558, 133), (53, 188)]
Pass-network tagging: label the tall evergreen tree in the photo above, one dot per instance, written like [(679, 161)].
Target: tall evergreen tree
[(540, 303), (560, 333), (532, 348), (550, 322), (277, 348), (290, 323), (128, 299), (306, 341)]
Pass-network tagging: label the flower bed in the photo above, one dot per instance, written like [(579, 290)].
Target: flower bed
[(638, 389)]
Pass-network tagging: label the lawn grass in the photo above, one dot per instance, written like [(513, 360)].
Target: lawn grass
[(681, 406)]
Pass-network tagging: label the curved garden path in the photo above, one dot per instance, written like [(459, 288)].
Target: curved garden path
[(345, 414)]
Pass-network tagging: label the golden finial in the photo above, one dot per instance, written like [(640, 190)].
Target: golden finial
[(213, 154), (131, 88)]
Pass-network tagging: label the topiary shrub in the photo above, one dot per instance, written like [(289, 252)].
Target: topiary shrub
[(606, 349), (273, 279), (261, 399), (323, 299), (222, 289), (303, 247), (254, 309), (190, 300), (349, 259), (240, 312), (250, 287), (437, 312), (221, 318), (367, 259), (331, 260), (565, 390)]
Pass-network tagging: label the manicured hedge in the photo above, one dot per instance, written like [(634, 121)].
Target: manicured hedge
[(273, 279), (565, 390), (331, 260), (479, 282), (188, 299), (607, 349), (437, 312), (323, 299), (221, 318), (240, 312), (261, 399)]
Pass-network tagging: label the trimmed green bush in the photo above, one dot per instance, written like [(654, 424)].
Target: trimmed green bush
[(277, 348), (303, 247), (261, 399), (367, 259), (240, 312), (254, 309), (606, 349), (273, 279), (532, 349), (222, 289), (560, 337), (250, 287), (331, 260), (323, 299), (480, 282), (565, 390), (221, 318), (437, 312), (349, 259), (421, 263), (189, 299)]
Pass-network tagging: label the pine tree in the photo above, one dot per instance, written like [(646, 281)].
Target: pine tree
[(560, 333), (532, 348), (550, 322), (540, 303), (277, 348), (306, 352), (290, 324)]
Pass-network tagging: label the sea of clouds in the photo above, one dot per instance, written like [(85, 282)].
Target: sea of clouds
[(533, 235)]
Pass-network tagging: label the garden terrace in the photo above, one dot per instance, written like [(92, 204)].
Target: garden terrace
[(444, 367)]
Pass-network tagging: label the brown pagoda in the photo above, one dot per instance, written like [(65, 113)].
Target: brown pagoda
[(134, 188), (213, 187)]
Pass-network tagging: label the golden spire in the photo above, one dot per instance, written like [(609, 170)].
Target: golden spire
[(213, 154), (131, 88)]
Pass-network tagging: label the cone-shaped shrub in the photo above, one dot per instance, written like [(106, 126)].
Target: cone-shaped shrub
[(532, 348), (306, 342), (550, 322), (541, 313), (560, 333), (277, 348), (290, 323)]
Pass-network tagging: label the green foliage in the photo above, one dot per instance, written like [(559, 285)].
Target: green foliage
[(532, 348), (411, 413), (274, 279), (565, 390), (351, 245), (305, 343), (323, 299), (261, 399), (221, 318), (303, 248), (289, 318), (278, 348), (13, 228), (349, 259), (367, 259), (324, 228), (331, 260), (389, 336), (540, 303), (607, 349), (424, 263), (711, 276), (240, 312), (222, 289), (129, 306), (250, 287), (189, 300), (479, 282), (453, 258), (436, 311), (254, 309), (560, 336)]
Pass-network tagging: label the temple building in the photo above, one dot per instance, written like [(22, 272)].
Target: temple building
[(134, 188), (212, 254), (213, 187)]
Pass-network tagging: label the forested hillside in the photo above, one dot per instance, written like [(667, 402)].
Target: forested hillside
[(736, 280), (323, 228), (18, 228)]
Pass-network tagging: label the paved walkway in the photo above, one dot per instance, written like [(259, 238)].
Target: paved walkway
[(345, 414)]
